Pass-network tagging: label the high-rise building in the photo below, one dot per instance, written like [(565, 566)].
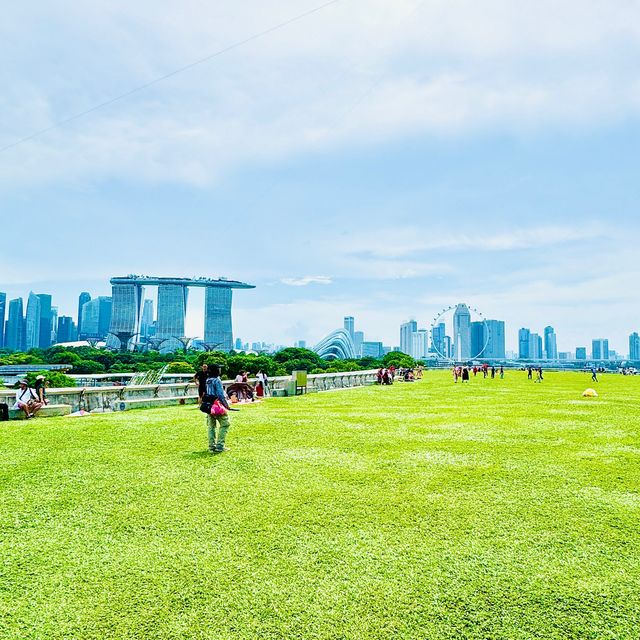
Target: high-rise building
[(535, 347), (358, 339), (126, 313), (438, 334), (217, 321), (146, 323), (82, 300), (523, 343), (350, 326), (634, 346), (15, 334), (407, 330), (495, 340), (96, 318), (550, 343), (301, 344), (172, 310), (54, 325), (372, 349), (3, 313), (600, 349), (419, 344), (46, 321), (581, 353), (448, 347), (478, 340), (67, 331), (462, 332), (32, 322)]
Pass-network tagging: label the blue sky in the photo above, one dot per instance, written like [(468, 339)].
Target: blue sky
[(380, 159)]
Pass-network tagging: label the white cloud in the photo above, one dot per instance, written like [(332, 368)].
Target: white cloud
[(306, 280), (414, 68)]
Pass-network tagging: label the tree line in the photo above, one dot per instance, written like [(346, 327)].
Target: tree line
[(88, 360)]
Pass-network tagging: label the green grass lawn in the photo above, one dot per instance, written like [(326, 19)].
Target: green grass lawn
[(498, 509)]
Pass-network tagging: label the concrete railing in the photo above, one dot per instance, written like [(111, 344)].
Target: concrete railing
[(120, 398)]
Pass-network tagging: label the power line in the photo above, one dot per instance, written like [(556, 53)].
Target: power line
[(191, 65)]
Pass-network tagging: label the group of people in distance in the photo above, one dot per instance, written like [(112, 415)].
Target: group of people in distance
[(538, 372), (31, 399), (463, 372)]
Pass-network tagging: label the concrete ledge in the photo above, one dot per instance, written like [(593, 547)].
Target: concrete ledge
[(150, 403), (50, 411)]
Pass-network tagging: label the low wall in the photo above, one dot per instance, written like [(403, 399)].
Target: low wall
[(121, 398)]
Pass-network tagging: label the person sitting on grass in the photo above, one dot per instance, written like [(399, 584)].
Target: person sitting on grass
[(27, 400)]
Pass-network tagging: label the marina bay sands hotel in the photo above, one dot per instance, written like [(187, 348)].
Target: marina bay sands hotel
[(128, 301)]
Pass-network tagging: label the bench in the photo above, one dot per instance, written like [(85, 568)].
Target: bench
[(48, 411), (150, 403)]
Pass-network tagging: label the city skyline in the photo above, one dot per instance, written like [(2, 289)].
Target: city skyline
[(493, 331)]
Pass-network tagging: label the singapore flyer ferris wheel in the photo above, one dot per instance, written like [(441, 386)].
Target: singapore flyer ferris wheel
[(460, 333)]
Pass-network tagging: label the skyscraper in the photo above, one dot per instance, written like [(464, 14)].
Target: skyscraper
[(54, 325), (634, 346), (146, 324), (550, 343), (438, 334), (82, 299), (535, 347), (358, 339), (478, 339), (600, 349), (66, 329), (46, 321), (172, 310), (523, 343), (462, 332), (218, 327), (581, 353), (495, 340), (126, 314), (32, 322), (350, 326), (96, 318), (14, 337), (407, 330), (420, 344), (3, 313)]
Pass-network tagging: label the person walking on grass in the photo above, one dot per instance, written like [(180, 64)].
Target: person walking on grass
[(594, 375), (529, 373), (501, 373), (217, 425)]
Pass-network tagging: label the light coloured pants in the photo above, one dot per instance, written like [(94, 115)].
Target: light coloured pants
[(217, 426)]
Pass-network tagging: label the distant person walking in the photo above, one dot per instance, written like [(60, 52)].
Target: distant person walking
[(594, 375), (465, 374), (217, 425), (501, 373), (493, 372), (529, 373), (539, 377)]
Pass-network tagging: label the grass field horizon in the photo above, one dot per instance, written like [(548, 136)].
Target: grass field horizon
[(501, 509)]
